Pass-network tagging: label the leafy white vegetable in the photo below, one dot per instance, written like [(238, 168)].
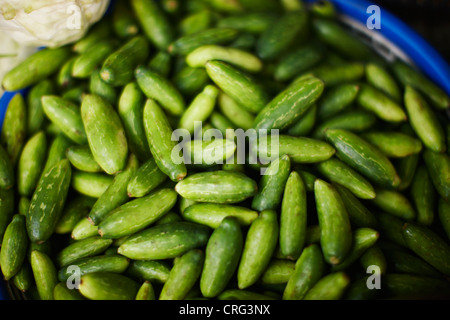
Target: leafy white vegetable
[(50, 23)]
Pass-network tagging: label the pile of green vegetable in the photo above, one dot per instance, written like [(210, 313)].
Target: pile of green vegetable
[(355, 196)]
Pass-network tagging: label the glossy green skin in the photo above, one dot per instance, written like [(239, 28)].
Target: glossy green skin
[(358, 214), (23, 279), (394, 144), (415, 286), (14, 247), (374, 256), (293, 217), (183, 275), (330, 32), (403, 261), (259, 246), (115, 194), (244, 295), (188, 43), (137, 214), (234, 112), (406, 168), (45, 274), (423, 196), (195, 22), (299, 149), (35, 115), (395, 203), (411, 77), (239, 58), (292, 25), (190, 81), (31, 163), (161, 63), (84, 229), (379, 77), (305, 124), (7, 174), (168, 218), (47, 203), (289, 105), (337, 99), (239, 85), (424, 121), (339, 172), (429, 246), (278, 272), (220, 122), (308, 178), (35, 68), (105, 134), (200, 109), (118, 68), (245, 41), (99, 32), (298, 61), (93, 57), (352, 120), (145, 179), (357, 290), (91, 184), (100, 88), (57, 151), (333, 75), (217, 187), (379, 103), (222, 255), (66, 116), (252, 22), (391, 228), (75, 209), (159, 137), (130, 108), (330, 287), (80, 156), (336, 234), (149, 270), (272, 185), (13, 132), (81, 249), (212, 214), (438, 165), (146, 292), (160, 89), (154, 23), (62, 293), (166, 241), (102, 263), (444, 215), (64, 78), (363, 239), (363, 157), (124, 21), (108, 286), (309, 268)]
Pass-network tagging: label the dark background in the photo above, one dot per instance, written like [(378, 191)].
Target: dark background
[(429, 18)]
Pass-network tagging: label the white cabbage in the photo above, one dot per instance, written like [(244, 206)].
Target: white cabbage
[(49, 23)]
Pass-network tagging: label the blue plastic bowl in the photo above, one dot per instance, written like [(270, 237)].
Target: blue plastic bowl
[(412, 45)]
